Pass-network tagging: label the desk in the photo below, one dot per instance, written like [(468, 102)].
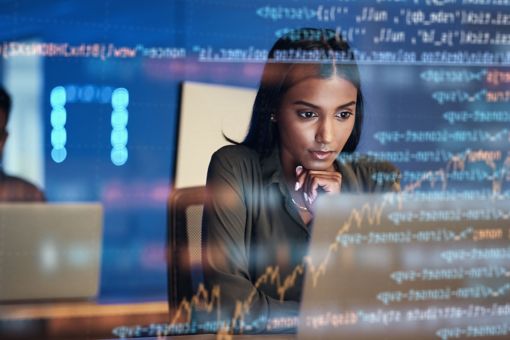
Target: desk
[(235, 337), (89, 320), (75, 320)]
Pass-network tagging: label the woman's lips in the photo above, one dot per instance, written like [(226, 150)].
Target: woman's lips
[(321, 155)]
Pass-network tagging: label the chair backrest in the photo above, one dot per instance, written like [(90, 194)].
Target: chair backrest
[(185, 208)]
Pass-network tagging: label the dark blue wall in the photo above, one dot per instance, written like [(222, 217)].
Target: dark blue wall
[(399, 97)]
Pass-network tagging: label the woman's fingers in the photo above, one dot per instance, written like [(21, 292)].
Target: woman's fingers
[(300, 177), (312, 182), (321, 181), (302, 185)]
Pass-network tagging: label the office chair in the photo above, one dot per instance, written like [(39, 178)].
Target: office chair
[(184, 225)]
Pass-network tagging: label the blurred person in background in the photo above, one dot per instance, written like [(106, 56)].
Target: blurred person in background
[(13, 189)]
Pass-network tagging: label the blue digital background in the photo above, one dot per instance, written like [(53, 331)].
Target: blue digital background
[(134, 194)]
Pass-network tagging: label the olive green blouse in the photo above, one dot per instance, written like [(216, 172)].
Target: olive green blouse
[(250, 226)]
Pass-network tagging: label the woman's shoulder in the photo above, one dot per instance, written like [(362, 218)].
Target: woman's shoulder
[(371, 173), (234, 164), (235, 154), (235, 158)]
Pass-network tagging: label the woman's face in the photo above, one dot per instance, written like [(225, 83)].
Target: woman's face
[(315, 119)]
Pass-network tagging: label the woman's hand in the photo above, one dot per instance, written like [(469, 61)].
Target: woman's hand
[(313, 182)]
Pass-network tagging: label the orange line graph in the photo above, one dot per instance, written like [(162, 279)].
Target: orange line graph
[(372, 215), (369, 214), (458, 163)]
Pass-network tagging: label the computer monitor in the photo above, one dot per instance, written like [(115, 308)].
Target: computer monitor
[(405, 266), (49, 251)]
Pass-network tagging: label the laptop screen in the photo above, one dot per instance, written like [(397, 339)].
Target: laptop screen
[(408, 266), (49, 251)]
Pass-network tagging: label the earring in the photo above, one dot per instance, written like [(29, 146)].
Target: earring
[(273, 118)]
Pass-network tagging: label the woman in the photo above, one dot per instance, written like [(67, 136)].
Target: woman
[(261, 192)]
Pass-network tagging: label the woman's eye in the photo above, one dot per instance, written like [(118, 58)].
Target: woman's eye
[(344, 114), (307, 114)]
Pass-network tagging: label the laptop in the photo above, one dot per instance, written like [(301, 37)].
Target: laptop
[(49, 251), (407, 267)]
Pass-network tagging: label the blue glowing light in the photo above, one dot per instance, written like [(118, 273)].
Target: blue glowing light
[(119, 156), (120, 98), (106, 94), (58, 96), (88, 93), (58, 138), (119, 118), (58, 117), (119, 137), (71, 92), (59, 155), (58, 99)]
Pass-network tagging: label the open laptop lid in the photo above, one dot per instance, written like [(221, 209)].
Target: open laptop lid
[(49, 251), (405, 267)]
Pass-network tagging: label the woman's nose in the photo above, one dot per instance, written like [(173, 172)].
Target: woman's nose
[(324, 133)]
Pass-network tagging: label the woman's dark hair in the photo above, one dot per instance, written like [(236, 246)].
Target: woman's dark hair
[(323, 48)]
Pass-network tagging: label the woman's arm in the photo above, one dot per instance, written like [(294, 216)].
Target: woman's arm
[(226, 257)]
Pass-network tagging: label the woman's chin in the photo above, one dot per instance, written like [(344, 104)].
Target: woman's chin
[(319, 165)]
